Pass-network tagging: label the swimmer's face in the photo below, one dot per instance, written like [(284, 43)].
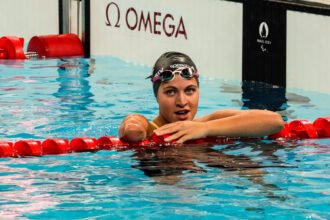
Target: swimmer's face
[(178, 99)]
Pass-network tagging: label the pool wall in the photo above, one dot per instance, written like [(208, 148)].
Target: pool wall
[(28, 18), (285, 43), (139, 31), (308, 46)]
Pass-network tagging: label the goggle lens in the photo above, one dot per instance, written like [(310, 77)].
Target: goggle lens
[(168, 75), (187, 73)]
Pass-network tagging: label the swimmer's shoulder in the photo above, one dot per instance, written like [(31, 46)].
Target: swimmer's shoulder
[(152, 126)]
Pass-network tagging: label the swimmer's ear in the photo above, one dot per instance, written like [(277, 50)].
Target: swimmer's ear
[(157, 96)]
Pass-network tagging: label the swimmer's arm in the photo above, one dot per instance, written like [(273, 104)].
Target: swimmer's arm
[(242, 123), (134, 128), (229, 123), (219, 114)]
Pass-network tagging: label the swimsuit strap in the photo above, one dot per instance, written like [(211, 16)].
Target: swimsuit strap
[(154, 124)]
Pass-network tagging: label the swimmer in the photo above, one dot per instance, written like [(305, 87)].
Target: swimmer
[(176, 88)]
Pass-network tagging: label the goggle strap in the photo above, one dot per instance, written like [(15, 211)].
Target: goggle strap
[(188, 75)]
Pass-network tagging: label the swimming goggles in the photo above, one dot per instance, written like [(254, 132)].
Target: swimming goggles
[(169, 75)]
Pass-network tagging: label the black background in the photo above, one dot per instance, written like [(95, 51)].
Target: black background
[(270, 66)]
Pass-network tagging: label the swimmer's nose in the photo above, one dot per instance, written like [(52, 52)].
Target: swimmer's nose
[(181, 100)]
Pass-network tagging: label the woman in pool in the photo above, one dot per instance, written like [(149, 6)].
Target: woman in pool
[(176, 88)]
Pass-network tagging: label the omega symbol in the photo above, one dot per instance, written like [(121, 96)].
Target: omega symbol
[(115, 14)]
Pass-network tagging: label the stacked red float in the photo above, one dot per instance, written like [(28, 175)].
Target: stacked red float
[(297, 129), (48, 46), (304, 129), (11, 47)]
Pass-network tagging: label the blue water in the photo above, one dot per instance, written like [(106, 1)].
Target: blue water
[(89, 97)]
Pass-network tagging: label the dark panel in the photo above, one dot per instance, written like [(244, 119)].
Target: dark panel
[(264, 42), (86, 34), (257, 95), (60, 16)]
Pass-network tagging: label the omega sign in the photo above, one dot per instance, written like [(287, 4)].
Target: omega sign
[(139, 20)]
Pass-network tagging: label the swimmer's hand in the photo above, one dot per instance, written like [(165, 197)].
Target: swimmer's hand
[(182, 131), (133, 128), (133, 133)]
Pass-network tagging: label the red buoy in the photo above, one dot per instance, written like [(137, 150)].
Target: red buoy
[(303, 129), (322, 125), (159, 139), (27, 148), (81, 144), (11, 47), (285, 133), (111, 143), (55, 146), (6, 149), (56, 46)]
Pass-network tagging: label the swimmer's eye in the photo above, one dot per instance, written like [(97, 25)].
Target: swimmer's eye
[(170, 92), (190, 90)]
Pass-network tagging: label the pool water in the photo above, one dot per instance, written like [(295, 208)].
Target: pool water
[(89, 97)]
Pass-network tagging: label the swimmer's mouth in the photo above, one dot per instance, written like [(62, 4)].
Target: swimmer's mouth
[(182, 112)]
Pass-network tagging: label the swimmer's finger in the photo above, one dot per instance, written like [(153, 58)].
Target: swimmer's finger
[(166, 129), (175, 126), (163, 131), (171, 125), (174, 136), (181, 140), (184, 138)]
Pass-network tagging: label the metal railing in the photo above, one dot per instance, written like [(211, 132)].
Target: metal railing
[(74, 18)]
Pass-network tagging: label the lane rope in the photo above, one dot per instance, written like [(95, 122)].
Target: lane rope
[(297, 129)]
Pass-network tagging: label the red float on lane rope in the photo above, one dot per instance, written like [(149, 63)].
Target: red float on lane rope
[(303, 129), (55, 146), (158, 139), (285, 133), (322, 125), (6, 149), (27, 148), (111, 143), (82, 144)]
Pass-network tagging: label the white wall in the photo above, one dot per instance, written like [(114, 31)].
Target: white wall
[(213, 29), (27, 18), (308, 51)]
